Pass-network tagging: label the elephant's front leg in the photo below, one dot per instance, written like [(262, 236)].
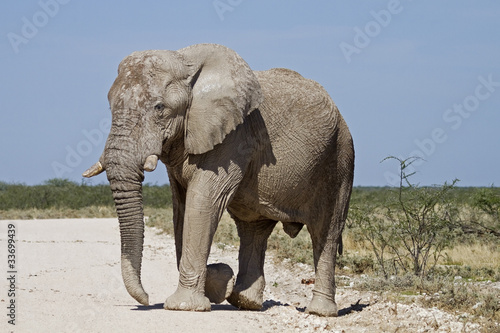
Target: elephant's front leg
[(201, 217)]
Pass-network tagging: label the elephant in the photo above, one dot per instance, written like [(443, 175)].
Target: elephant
[(267, 146)]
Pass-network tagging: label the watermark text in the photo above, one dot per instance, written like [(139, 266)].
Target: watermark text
[(453, 117), (11, 274), (364, 35), (31, 25), (223, 6), (74, 154)]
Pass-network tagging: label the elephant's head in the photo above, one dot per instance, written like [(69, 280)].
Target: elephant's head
[(161, 101)]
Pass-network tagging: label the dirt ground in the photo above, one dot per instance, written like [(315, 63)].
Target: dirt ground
[(67, 279)]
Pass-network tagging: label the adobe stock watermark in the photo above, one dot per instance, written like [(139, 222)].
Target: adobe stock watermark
[(74, 155), (32, 25), (223, 6), (363, 36), (454, 117)]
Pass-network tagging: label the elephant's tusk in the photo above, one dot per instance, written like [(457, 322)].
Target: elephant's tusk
[(93, 170), (151, 162)]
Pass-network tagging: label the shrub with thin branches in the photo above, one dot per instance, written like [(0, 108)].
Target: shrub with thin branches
[(411, 229)]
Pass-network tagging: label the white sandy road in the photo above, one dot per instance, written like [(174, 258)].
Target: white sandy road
[(68, 280)]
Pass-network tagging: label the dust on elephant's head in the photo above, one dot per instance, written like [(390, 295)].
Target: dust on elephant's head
[(202, 92)]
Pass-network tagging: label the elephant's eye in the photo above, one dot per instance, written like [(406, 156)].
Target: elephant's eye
[(159, 107)]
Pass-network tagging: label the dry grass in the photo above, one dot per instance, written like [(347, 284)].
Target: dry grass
[(355, 246), (160, 218), (226, 233), (57, 213), (475, 255)]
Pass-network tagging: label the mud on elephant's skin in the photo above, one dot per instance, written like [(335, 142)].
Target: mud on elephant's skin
[(267, 146)]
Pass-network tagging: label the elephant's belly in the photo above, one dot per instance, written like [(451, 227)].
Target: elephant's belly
[(264, 212), (250, 204)]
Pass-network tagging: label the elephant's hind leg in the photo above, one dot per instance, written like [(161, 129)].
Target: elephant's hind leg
[(249, 288), (327, 241), (323, 300)]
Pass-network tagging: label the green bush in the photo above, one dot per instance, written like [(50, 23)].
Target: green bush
[(485, 219), (156, 196), (62, 193)]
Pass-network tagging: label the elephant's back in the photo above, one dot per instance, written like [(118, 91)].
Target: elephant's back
[(300, 116), (292, 101)]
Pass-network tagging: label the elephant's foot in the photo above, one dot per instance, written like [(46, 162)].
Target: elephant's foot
[(245, 300), (219, 282), (187, 300), (248, 298), (323, 306)]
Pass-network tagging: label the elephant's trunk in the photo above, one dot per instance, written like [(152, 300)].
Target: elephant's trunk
[(128, 201), (125, 166), (125, 175)]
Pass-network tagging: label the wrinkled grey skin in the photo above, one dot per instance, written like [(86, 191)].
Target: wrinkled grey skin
[(267, 146)]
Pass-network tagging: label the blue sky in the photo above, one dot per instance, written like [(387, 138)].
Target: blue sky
[(411, 78)]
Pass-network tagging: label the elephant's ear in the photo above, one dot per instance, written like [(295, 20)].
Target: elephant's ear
[(224, 91)]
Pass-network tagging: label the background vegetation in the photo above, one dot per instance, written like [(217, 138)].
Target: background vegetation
[(61, 198), (408, 242)]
